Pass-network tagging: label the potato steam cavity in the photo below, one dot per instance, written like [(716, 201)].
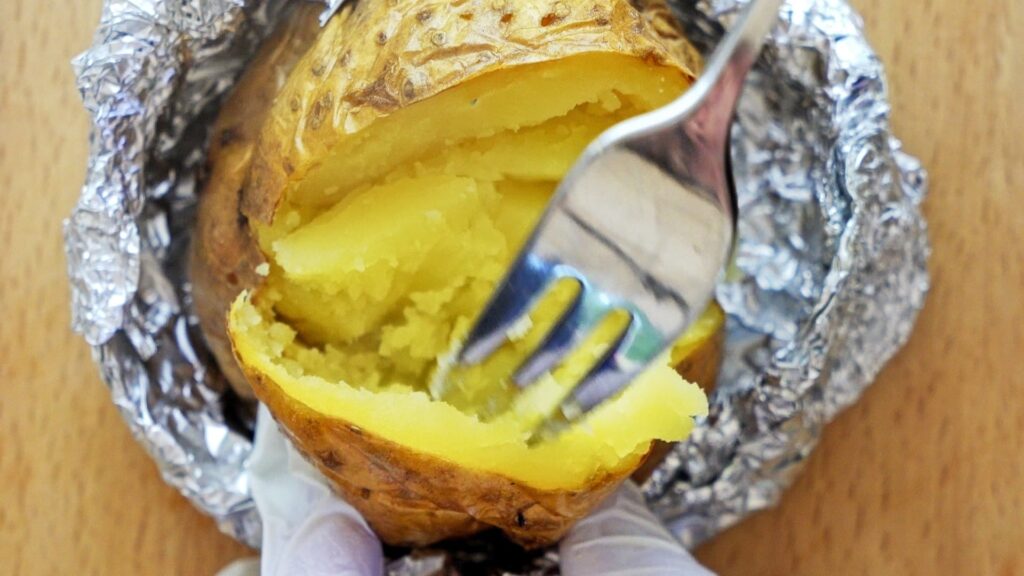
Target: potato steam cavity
[(388, 195)]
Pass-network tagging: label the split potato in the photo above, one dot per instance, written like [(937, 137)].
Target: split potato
[(369, 184)]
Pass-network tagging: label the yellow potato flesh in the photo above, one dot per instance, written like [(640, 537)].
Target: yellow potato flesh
[(382, 256)]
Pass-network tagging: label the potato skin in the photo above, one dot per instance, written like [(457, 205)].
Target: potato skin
[(378, 57), (413, 499), (701, 365), (224, 256), (390, 58)]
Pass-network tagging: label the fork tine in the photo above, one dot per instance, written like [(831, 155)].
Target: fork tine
[(516, 294), (634, 349), (580, 317)]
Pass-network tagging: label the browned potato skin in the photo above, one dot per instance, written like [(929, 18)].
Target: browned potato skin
[(412, 499), (701, 365), (407, 497), (224, 257), (378, 57)]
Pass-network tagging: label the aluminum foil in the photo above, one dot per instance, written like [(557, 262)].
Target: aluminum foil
[(829, 275)]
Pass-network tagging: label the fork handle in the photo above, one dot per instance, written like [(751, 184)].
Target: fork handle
[(719, 86), (703, 113)]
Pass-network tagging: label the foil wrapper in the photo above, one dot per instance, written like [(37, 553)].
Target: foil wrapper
[(830, 268)]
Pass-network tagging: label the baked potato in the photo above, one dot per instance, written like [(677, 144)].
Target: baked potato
[(369, 184)]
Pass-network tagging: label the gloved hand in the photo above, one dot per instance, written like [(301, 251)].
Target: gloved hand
[(309, 531)]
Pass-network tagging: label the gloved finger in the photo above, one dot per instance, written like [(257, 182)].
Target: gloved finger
[(330, 544), (623, 538), (242, 567), (307, 529)]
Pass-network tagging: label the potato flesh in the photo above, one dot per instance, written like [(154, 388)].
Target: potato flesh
[(497, 102), (384, 254), (613, 438)]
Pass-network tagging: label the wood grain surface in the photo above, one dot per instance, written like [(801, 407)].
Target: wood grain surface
[(924, 476)]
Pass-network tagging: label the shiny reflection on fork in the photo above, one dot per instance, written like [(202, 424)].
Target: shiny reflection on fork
[(644, 222)]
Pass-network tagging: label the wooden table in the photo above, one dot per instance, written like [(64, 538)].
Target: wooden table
[(924, 476)]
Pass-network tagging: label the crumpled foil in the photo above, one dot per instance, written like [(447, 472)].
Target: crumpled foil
[(830, 268)]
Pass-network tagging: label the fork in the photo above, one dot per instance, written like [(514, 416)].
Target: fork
[(643, 222)]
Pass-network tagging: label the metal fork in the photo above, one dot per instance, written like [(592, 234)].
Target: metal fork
[(644, 222)]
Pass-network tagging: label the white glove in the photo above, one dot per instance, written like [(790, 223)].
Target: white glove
[(309, 531)]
